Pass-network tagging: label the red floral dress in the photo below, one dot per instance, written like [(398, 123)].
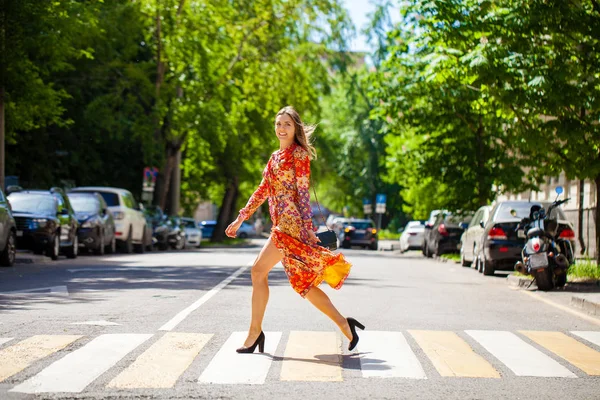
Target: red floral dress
[(285, 182)]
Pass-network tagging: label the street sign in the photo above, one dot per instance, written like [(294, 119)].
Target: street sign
[(381, 198), (368, 208), (380, 208), (150, 175)]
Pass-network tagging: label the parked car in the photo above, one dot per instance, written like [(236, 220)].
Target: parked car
[(8, 233), (412, 236), (130, 222), (501, 245), (45, 223), (192, 232), (96, 223), (444, 235), (470, 241), (360, 232), (246, 230), (207, 228)]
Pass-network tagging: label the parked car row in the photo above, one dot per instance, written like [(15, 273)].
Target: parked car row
[(487, 240), (98, 219)]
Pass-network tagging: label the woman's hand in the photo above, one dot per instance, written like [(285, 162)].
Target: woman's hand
[(312, 236), (232, 229)]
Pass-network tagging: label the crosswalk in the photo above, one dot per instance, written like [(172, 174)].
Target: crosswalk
[(78, 361)]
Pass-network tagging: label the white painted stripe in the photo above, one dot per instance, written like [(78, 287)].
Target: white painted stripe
[(229, 367), (5, 340), (590, 336), (183, 314), (388, 355), (78, 369), (56, 290), (96, 323), (521, 357)]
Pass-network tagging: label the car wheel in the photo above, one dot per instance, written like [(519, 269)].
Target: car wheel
[(374, 246), (464, 262), (243, 235), (112, 247), (74, 249), (487, 267), (100, 249), (141, 248), (128, 244), (54, 247), (9, 254), (428, 252)]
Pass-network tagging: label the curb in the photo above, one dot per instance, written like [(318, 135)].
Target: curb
[(521, 282), (589, 303), (30, 258)]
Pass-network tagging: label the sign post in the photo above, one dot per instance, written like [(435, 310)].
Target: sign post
[(148, 184), (380, 208), (367, 207)]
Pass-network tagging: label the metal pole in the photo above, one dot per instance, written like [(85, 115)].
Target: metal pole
[(379, 222)]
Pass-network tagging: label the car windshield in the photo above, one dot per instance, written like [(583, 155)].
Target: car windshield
[(189, 224), (415, 224), (111, 199), (33, 204), (84, 204), (361, 225), (522, 211)]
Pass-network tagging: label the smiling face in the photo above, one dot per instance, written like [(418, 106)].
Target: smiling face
[(285, 130)]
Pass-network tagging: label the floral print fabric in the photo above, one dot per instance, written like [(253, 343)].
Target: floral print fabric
[(285, 183)]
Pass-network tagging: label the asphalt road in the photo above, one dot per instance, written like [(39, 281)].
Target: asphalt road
[(165, 325)]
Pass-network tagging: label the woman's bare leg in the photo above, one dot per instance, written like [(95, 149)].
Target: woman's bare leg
[(266, 260), (320, 300)]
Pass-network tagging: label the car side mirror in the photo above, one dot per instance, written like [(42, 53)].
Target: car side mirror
[(481, 224), (428, 226)]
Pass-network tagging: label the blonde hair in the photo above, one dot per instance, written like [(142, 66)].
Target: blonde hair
[(303, 132)]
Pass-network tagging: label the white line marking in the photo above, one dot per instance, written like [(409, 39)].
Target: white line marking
[(78, 369), (187, 311), (521, 357), (388, 355), (590, 336), (229, 367), (5, 340), (56, 290), (96, 323)]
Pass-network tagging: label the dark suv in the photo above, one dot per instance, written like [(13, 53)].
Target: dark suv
[(360, 232), (8, 234), (443, 236), (45, 222)]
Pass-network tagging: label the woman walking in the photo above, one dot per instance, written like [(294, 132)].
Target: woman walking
[(293, 240)]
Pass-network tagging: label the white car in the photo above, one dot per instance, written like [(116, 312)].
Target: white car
[(130, 223), (246, 230), (412, 236), (193, 234)]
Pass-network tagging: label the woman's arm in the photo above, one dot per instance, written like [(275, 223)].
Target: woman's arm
[(302, 168), (258, 197)]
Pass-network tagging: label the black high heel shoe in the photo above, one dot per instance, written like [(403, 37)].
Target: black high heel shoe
[(260, 342), (353, 325)]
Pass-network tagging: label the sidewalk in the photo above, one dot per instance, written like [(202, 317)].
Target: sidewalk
[(586, 295)]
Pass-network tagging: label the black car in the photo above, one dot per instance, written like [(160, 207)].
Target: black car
[(501, 245), (360, 232), (8, 234), (443, 236), (96, 223), (45, 223)]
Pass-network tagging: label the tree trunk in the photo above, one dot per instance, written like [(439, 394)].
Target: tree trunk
[(597, 218), (166, 175), (224, 217), (160, 74), (580, 217), (176, 184)]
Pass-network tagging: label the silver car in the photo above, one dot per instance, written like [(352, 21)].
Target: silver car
[(412, 236), (192, 232)]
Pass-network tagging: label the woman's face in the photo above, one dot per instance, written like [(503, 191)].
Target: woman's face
[(285, 129)]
